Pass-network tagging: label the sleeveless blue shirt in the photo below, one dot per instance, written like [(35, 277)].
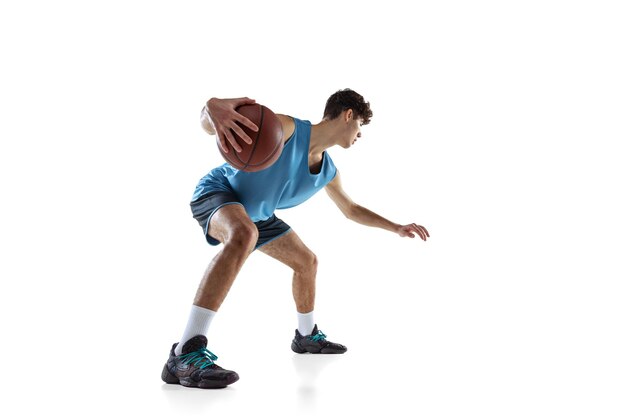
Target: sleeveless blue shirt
[(285, 184)]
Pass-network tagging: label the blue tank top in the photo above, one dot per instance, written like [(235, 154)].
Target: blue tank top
[(285, 184)]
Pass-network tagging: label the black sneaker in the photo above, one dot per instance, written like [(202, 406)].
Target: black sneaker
[(315, 343), (195, 367)]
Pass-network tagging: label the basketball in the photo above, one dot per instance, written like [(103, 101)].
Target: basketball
[(267, 143)]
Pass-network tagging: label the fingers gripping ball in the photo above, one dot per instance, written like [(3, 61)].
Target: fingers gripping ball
[(267, 143)]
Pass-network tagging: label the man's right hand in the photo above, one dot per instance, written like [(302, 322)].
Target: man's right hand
[(225, 118)]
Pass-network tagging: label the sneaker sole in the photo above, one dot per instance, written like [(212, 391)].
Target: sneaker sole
[(169, 378), (297, 349)]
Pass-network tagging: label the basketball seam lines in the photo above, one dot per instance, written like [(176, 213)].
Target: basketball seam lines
[(256, 140), (270, 157)]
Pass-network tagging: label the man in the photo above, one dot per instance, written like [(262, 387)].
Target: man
[(236, 208)]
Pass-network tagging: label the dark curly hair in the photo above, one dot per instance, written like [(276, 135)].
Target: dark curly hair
[(348, 99)]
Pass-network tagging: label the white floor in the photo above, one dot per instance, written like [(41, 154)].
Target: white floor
[(434, 343)]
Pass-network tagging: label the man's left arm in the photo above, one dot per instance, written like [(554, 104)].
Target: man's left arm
[(364, 216)]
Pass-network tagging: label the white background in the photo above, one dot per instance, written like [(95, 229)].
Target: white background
[(497, 125)]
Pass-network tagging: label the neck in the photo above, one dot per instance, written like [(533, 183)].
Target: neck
[(322, 137)]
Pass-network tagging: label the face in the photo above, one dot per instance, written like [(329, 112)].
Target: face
[(353, 131)]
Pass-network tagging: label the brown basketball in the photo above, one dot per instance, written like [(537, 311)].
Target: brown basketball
[(267, 143)]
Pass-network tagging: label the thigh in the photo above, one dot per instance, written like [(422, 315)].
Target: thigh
[(290, 250)]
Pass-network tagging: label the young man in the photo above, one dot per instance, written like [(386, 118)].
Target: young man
[(236, 208)]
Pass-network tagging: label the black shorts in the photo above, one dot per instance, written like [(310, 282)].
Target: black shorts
[(204, 209)]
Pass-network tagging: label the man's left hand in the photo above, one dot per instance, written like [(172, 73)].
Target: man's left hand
[(412, 229)]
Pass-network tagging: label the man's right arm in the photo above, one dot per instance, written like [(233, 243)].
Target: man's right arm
[(219, 117)]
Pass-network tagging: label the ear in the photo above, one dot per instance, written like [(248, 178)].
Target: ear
[(348, 115)]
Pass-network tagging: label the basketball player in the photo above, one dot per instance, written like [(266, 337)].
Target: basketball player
[(236, 208)]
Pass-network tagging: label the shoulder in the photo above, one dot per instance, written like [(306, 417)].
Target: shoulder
[(289, 125)]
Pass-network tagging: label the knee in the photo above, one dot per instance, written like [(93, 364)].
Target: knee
[(243, 236), (307, 263)]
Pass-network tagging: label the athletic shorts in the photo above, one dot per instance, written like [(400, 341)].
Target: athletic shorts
[(204, 209)]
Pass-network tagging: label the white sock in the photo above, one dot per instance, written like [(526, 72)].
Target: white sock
[(306, 322), (198, 324)]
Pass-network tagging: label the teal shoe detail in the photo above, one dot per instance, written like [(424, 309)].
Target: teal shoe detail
[(201, 358), (320, 336)]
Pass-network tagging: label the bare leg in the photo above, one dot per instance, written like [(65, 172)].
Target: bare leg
[(188, 361), (290, 250), (231, 226)]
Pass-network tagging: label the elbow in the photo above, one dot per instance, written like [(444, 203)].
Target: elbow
[(205, 122), (351, 211)]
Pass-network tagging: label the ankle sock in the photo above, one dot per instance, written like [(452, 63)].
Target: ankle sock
[(306, 322), (198, 324)]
